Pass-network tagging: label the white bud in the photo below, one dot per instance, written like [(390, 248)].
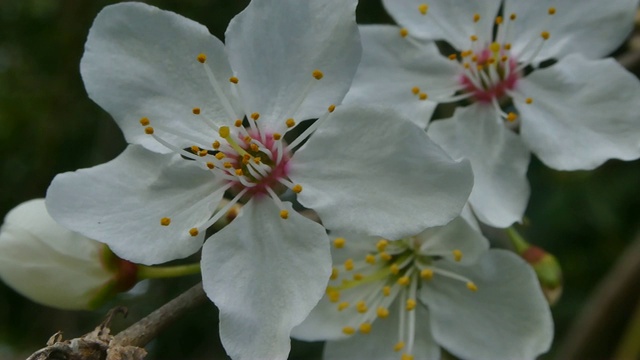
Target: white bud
[(49, 264)]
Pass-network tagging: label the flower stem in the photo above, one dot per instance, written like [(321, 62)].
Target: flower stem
[(517, 240), (155, 272)]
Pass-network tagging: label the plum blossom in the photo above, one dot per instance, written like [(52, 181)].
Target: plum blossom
[(206, 119), (405, 299), (529, 68)]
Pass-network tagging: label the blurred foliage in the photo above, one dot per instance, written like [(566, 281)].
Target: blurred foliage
[(48, 125)]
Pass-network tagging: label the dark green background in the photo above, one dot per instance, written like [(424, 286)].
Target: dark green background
[(48, 125)]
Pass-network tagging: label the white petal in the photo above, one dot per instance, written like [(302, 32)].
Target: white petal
[(374, 172), (275, 45), (584, 112), (507, 318), (380, 342), (498, 157), (450, 20), (392, 66), (141, 62), (456, 235), (122, 202), (48, 263), (591, 28), (265, 274)]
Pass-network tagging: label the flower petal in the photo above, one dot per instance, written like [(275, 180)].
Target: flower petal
[(584, 112), (392, 66), (141, 61), (373, 172), (450, 20), (122, 202), (46, 262), (592, 28), (498, 157), (379, 343), (265, 274), (456, 235), (275, 45), (506, 318)]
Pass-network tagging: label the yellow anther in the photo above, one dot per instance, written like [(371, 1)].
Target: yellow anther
[(466, 65), (386, 291), (511, 117), (451, 57), (415, 90), (529, 101), (237, 123), (255, 116), (331, 108), (504, 58), (426, 274), (551, 11), (257, 160), (144, 121), (473, 38), (404, 32), (216, 145), (297, 188), (240, 173), (165, 221), (474, 58), (358, 277), (227, 165), (476, 17), (466, 53), (411, 304), (210, 165), (334, 273), (423, 8), (193, 232), (343, 305), (202, 58), (348, 330), (195, 111), (404, 280), (479, 67), (394, 268), (545, 35), (423, 96), (385, 256), (365, 328), (317, 74), (491, 60), (361, 306), (219, 155), (370, 259), (499, 20), (471, 286), (224, 132), (339, 242), (348, 264), (233, 79), (284, 214), (513, 16), (195, 149), (495, 47), (276, 136), (254, 147), (382, 244), (507, 46), (406, 356), (457, 255), (203, 153), (333, 295), (247, 139), (382, 312), (398, 346), (290, 123), (148, 130)]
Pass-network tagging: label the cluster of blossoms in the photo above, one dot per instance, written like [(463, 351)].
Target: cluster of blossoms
[(212, 126)]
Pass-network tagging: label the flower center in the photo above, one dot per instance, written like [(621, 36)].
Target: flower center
[(395, 272)]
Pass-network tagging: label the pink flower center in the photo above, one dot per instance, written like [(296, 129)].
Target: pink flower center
[(489, 75)]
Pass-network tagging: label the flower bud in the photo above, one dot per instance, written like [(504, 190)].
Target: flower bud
[(56, 267)]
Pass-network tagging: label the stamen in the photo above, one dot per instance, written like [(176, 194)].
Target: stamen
[(144, 121), (423, 8), (365, 328), (195, 111), (233, 79), (202, 58), (457, 255), (194, 232), (404, 32), (348, 330), (165, 221), (339, 242)]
